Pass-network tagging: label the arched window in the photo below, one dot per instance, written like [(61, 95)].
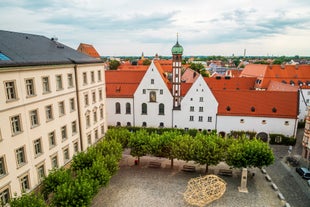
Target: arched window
[(144, 108), (144, 124), (118, 123), (152, 96), (128, 109), (161, 109), (117, 108), (161, 124), (128, 124)]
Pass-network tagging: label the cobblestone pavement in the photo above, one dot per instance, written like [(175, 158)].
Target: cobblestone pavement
[(292, 186), (142, 186)]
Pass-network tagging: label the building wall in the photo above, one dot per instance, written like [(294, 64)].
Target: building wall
[(304, 100), (152, 82), (285, 126), (123, 118), (38, 134), (198, 108)]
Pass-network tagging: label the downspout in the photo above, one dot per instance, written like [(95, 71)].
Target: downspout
[(133, 111), (78, 106)]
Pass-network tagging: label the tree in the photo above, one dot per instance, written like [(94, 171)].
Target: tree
[(114, 64), (198, 67), (182, 147), (146, 62), (208, 149), (121, 135), (28, 200), (243, 153), (139, 143)]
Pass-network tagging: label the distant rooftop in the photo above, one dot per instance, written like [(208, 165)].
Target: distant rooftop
[(21, 49)]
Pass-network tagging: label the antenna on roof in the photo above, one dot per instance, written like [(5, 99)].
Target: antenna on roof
[(54, 38), (177, 37)]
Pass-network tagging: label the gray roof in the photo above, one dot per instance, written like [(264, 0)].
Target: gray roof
[(20, 49)]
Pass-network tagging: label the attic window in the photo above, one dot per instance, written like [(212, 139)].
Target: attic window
[(274, 110), (292, 82), (228, 108), (218, 77), (253, 109), (286, 123), (300, 83), (264, 122), (284, 82), (118, 89), (242, 121)]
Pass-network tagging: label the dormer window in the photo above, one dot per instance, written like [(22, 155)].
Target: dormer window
[(228, 108), (253, 109)]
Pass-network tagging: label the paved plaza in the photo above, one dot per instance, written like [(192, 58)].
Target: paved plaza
[(146, 186)]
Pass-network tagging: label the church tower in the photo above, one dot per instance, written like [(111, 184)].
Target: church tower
[(177, 51)]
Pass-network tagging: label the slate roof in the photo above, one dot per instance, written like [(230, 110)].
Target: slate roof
[(28, 49)]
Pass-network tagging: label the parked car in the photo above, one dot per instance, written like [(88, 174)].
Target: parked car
[(303, 172), (308, 182)]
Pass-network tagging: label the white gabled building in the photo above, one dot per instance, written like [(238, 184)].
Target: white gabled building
[(153, 99), (43, 110), (198, 107)]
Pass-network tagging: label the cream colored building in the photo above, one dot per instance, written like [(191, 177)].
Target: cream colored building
[(52, 105)]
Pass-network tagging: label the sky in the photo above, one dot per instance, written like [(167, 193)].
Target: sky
[(204, 27)]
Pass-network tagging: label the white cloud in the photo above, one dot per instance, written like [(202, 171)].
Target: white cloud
[(205, 27)]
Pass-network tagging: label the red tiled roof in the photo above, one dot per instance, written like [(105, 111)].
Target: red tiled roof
[(133, 67), (122, 84), (257, 103), (289, 74), (278, 86), (189, 76), (166, 65), (88, 50), (229, 83), (185, 88)]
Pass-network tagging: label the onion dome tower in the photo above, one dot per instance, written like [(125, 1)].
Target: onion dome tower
[(177, 51)]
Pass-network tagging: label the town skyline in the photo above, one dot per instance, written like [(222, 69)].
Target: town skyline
[(122, 28)]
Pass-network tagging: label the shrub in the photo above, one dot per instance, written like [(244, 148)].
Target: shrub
[(28, 200)]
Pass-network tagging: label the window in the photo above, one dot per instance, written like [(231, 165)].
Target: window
[(89, 139), (161, 91), (10, 90), (20, 156), (72, 104), (209, 118), (144, 124), (94, 96), (37, 147), (16, 124), (128, 124), (100, 95), (64, 132), (52, 139), (161, 109), (101, 113), (86, 102), (54, 161), (242, 121), (49, 113), (24, 183), (4, 196), (200, 99), (118, 123), (30, 87), (92, 76), (200, 118), (95, 116), (84, 78), (41, 172), (102, 129), (96, 134), (286, 123), (191, 118), (152, 96), (152, 81), (76, 147), (61, 107), (161, 124), (128, 108), (66, 155), (87, 117), (46, 84), (144, 91), (34, 121), (70, 80), (117, 108), (2, 167), (264, 122), (191, 108), (200, 109), (59, 82), (74, 127), (99, 76), (144, 108)]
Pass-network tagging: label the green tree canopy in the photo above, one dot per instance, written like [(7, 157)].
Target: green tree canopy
[(114, 64)]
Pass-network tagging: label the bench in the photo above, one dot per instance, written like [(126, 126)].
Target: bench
[(280, 195), (188, 168), (225, 172), (154, 164), (274, 186), (268, 178)]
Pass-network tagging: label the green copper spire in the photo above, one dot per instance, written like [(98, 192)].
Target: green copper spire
[(177, 48)]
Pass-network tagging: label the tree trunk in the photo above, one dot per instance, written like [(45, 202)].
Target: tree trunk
[(207, 168), (138, 160), (171, 163)]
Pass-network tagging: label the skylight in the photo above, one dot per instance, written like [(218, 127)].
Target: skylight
[(4, 57)]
